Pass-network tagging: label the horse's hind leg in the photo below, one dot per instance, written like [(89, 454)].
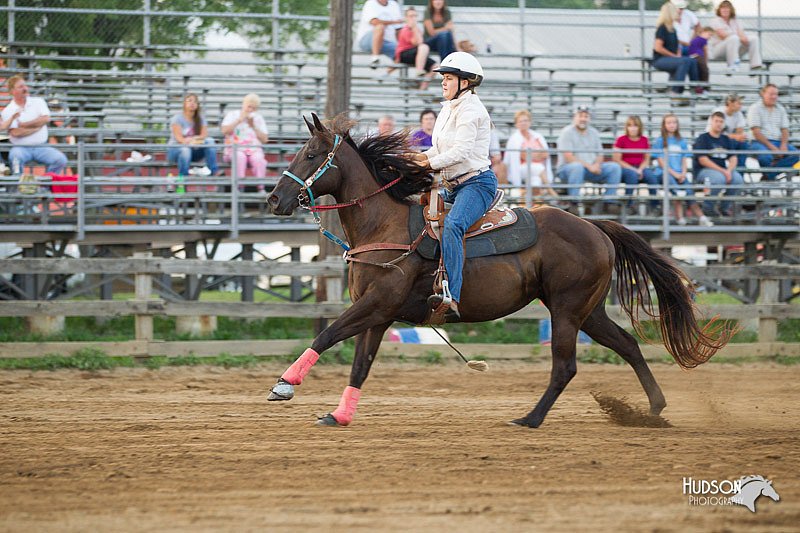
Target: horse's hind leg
[(565, 333), (367, 344), (607, 333)]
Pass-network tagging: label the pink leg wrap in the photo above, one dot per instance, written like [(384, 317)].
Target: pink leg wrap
[(295, 373), (347, 406)]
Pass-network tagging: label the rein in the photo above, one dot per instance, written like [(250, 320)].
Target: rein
[(358, 201)]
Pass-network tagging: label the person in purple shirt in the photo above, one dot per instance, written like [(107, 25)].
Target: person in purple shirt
[(698, 50), (422, 138)]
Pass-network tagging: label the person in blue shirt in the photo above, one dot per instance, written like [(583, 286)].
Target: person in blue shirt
[(672, 153), (189, 140), (717, 166)]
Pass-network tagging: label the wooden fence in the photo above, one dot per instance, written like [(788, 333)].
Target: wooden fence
[(767, 312)]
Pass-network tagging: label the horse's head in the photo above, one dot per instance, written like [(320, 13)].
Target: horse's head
[(311, 174), (768, 490)]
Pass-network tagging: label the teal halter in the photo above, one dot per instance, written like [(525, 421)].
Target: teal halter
[(306, 197)]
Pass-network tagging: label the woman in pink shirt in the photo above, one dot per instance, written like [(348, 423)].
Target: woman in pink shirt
[(411, 50), (633, 155)]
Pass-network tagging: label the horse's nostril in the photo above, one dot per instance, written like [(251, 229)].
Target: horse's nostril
[(272, 200)]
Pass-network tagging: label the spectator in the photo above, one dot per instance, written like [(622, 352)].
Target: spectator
[(666, 51), (247, 129), (635, 165), (730, 40), (580, 156), (686, 24), (718, 167), (380, 19), (672, 153), (439, 29), (190, 129), (412, 51), (525, 143), (385, 125), (769, 130), (698, 50), (26, 118), (735, 125), (422, 138)]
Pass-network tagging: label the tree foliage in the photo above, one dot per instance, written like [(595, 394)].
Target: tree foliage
[(121, 36)]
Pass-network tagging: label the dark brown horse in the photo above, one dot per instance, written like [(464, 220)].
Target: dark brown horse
[(569, 269)]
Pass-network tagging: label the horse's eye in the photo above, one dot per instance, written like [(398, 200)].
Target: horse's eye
[(311, 156)]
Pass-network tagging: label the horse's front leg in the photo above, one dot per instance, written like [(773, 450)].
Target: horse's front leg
[(367, 344), (362, 315)]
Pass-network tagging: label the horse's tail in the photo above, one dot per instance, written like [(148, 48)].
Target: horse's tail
[(638, 265)]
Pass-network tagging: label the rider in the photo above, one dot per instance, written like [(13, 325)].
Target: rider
[(460, 156)]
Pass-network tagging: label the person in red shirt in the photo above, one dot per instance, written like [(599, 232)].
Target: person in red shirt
[(412, 50), (632, 152)]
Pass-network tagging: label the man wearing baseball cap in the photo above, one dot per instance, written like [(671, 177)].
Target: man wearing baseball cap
[(580, 157)]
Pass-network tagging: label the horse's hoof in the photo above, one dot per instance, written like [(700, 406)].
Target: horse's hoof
[(328, 421), (281, 391), (522, 423)]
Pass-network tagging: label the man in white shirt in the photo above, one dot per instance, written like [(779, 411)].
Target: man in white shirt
[(380, 20), (687, 25), (26, 118), (769, 130)]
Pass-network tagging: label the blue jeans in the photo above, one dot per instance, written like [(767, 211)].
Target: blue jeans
[(387, 48), (678, 68), (575, 174), (768, 160), (649, 176), (185, 155), (470, 200), (54, 160), (715, 181), (442, 43), (740, 145)]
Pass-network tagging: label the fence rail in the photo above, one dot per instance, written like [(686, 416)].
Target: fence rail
[(144, 307)]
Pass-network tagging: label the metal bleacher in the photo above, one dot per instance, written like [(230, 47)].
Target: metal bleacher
[(113, 112)]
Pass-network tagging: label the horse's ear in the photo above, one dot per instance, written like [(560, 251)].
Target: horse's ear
[(309, 125), (318, 122)]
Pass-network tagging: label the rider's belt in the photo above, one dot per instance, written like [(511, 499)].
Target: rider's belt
[(455, 181)]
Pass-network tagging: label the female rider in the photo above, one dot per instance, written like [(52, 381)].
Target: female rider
[(460, 156)]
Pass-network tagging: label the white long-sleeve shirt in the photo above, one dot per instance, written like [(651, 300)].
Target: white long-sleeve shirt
[(461, 137)]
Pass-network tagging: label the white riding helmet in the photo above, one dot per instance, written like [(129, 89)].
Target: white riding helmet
[(464, 66)]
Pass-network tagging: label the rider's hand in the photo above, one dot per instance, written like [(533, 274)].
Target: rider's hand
[(421, 160)]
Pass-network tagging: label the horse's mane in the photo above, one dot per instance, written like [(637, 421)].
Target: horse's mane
[(387, 158), (745, 480)]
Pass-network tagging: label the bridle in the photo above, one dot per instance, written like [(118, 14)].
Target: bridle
[(305, 197)]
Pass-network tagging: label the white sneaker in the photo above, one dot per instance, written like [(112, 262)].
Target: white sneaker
[(202, 171), (705, 221), (734, 67), (375, 62), (682, 221)]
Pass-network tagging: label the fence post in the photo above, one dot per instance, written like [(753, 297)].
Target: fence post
[(144, 288), (12, 63), (768, 325)]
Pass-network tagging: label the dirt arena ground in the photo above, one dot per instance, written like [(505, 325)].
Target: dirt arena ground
[(200, 449)]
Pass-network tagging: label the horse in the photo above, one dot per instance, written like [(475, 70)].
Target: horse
[(569, 269), (751, 488)]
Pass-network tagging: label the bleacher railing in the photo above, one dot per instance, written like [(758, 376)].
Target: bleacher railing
[(111, 193)]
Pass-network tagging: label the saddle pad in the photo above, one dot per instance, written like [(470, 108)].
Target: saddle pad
[(504, 240)]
